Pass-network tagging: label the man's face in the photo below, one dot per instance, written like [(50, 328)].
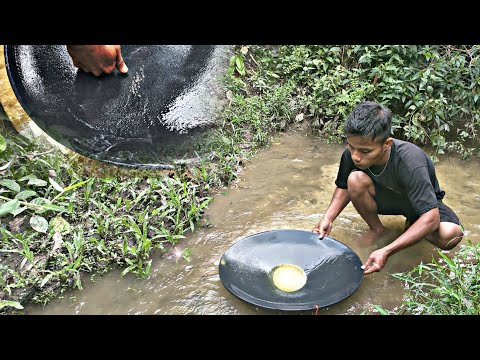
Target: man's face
[(367, 152)]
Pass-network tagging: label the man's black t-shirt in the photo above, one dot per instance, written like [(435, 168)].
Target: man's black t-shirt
[(410, 173)]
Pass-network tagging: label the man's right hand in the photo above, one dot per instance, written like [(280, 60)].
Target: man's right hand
[(323, 228), (97, 59)]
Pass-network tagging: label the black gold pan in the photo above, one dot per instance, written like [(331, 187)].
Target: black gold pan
[(153, 115), (290, 270)]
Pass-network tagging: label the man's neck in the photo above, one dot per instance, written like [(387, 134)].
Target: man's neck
[(385, 157)]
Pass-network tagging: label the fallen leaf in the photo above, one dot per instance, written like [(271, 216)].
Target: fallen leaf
[(39, 223), (57, 241)]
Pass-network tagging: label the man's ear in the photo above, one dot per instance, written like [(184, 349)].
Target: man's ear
[(388, 143)]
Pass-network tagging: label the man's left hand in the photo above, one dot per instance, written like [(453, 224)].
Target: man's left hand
[(376, 261)]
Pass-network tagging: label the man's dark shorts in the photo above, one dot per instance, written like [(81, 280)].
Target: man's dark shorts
[(390, 203)]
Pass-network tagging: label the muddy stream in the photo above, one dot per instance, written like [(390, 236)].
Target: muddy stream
[(287, 186)]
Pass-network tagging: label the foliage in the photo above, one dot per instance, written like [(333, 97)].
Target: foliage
[(446, 286), (57, 225), (433, 90)]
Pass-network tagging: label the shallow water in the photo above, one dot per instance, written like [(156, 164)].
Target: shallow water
[(287, 186)]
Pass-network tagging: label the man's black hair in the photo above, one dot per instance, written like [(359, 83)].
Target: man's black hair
[(369, 119)]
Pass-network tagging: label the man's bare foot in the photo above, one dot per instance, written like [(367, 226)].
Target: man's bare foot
[(378, 236), (379, 230)]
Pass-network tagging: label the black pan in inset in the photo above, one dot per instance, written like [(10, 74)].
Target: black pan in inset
[(115, 118), (333, 270)]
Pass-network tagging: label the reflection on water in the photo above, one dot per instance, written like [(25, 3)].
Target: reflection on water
[(285, 187)]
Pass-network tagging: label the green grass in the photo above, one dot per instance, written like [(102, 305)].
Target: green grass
[(57, 225), (445, 286)]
